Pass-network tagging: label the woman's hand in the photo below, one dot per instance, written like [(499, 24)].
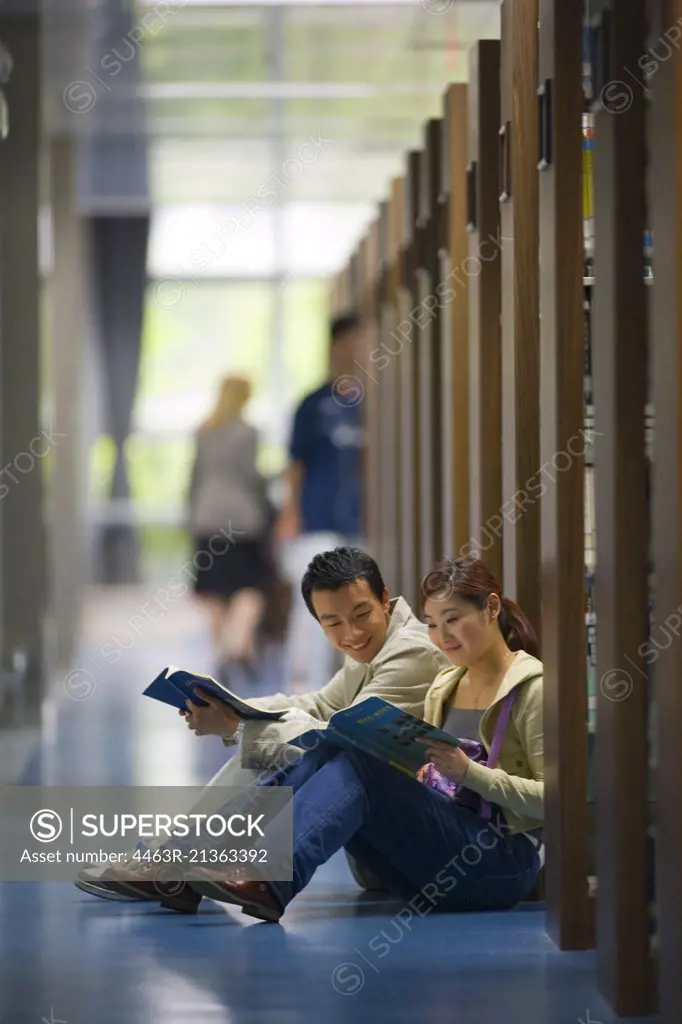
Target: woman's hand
[(216, 719), (450, 761)]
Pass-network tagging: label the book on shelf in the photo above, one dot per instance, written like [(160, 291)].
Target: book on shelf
[(587, 347), (588, 185), (591, 634), (590, 522)]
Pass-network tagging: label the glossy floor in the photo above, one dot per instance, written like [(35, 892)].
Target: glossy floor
[(69, 957)]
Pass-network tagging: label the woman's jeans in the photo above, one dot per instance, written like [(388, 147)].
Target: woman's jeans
[(417, 842)]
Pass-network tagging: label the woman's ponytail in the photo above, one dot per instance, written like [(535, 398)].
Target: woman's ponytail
[(516, 629)]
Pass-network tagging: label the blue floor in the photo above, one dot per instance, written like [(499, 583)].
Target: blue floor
[(66, 956)]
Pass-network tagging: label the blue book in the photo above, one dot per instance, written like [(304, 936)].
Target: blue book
[(175, 686), (381, 729)]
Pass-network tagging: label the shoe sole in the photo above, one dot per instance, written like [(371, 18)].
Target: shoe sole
[(215, 892), (95, 889)]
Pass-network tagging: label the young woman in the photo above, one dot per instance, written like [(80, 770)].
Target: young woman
[(227, 518), (417, 840)]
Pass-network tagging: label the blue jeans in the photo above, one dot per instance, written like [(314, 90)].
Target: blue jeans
[(414, 840)]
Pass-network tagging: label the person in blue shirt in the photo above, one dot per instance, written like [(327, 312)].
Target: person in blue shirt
[(323, 482)]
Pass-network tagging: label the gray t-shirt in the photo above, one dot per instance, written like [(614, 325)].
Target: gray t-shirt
[(463, 722)]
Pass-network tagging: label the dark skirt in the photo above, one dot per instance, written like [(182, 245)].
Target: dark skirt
[(223, 574)]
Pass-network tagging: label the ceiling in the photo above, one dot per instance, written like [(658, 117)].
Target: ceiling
[(187, 103)]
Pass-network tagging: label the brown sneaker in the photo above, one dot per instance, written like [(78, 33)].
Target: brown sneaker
[(147, 882), (255, 898)]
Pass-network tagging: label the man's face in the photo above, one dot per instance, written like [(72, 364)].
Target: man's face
[(346, 350), (353, 618)]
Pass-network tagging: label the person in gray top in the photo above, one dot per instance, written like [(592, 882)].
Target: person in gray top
[(227, 517)]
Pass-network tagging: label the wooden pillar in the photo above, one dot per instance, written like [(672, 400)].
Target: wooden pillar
[(385, 382), (368, 393), (339, 302), (343, 298), (353, 295), (665, 206), (427, 341), (335, 292), (562, 450), (453, 289), (349, 296), (520, 325), (409, 391), (392, 354), (620, 384), (358, 303), (485, 366)]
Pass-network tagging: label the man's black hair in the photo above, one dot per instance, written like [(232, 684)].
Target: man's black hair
[(342, 325), (332, 570)]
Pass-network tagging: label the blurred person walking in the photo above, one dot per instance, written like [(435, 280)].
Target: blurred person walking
[(228, 519), (323, 483)]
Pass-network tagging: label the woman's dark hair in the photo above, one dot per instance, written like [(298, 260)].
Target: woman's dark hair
[(332, 570), (471, 580)]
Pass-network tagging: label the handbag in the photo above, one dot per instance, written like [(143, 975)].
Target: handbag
[(475, 751)]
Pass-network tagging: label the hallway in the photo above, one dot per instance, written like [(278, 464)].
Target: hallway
[(69, 957)]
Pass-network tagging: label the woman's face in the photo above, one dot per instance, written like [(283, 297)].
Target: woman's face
[(462, 631)]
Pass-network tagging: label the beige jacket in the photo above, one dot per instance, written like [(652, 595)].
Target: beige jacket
[(401, 673), (517, 784)]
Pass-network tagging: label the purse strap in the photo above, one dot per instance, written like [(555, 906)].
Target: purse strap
[(485, 808), (496, 745), (500, 729), (501, 723)]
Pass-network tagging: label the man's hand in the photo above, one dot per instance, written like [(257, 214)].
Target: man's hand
[(299, 715), (450, 761), (217, 719)]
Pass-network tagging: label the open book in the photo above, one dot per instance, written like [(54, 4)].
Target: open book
[(381, 729), (175, 686)]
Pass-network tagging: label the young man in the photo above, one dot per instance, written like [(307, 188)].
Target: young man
[(387, 654), (323, 502)]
